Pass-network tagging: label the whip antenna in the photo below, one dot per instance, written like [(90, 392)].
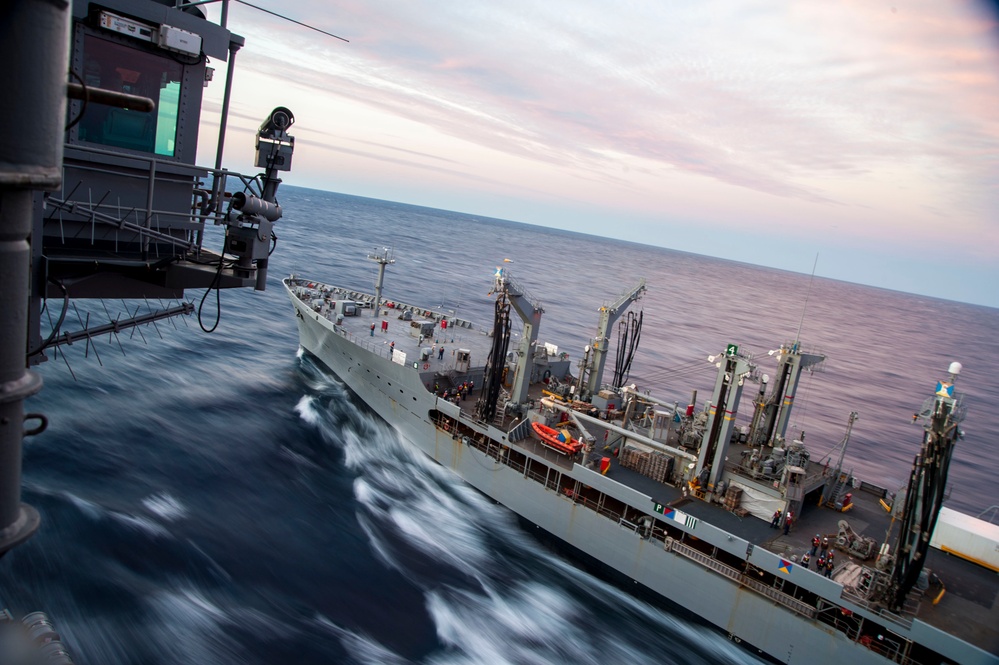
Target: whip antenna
[(304, 25), (797, 337)]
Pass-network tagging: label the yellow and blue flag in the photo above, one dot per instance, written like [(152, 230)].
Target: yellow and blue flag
[(945, 389)]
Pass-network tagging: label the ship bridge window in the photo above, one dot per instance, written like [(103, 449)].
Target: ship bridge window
[(120, 68)]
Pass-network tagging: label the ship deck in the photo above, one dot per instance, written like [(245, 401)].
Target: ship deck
[(393, 331), (968, 609)]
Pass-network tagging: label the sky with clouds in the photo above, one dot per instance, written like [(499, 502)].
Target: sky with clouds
[(866, 132)]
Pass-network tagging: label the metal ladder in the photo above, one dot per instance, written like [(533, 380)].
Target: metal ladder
[(839, 489)]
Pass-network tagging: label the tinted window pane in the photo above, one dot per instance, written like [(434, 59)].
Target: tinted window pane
[(115, 67), (166, 118)]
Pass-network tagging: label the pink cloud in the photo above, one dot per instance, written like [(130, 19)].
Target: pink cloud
[(769, 100)]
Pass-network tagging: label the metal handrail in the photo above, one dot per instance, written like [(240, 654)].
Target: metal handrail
[(734, 574), (152, 165)]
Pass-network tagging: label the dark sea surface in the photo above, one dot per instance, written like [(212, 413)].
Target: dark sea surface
[(222, 499)]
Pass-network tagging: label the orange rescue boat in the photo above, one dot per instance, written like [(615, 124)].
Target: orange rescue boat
[(556, 440)]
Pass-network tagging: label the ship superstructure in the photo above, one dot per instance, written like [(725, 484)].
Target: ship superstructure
[(714, 517), (99, 183), (101, 196)]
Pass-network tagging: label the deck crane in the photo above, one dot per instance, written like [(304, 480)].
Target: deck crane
[(609, 314)]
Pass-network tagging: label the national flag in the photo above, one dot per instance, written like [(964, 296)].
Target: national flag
[(785, 567)]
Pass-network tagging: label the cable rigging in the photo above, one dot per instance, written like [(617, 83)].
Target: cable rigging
[(493, 377)]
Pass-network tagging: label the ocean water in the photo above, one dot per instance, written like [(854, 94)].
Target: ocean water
[(222, 499)]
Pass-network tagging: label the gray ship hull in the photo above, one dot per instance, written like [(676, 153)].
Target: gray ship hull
[(774, 623)]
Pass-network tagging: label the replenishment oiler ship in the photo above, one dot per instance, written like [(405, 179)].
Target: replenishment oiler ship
[(692, 505)]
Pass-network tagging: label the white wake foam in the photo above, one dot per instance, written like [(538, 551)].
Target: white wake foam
[(511, 601), (165, 506), (140, 523), (363, 648)]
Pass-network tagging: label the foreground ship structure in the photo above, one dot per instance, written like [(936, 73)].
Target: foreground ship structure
[(100, 193), (733, 523), (101, 198)]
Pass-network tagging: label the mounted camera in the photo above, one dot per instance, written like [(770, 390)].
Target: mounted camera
[(250, 233), (274, 145)]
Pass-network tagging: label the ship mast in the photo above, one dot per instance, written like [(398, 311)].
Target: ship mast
[(733, 370), (529, 310), (927, 482), (492, 379), (771, 421), (382, 260)]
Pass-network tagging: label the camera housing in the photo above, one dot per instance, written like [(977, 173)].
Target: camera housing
[(274, 145)]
